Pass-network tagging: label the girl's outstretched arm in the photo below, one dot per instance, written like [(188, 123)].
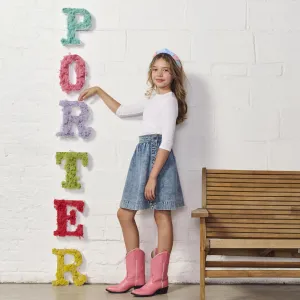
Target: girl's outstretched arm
[(111, 103), (117, 108)]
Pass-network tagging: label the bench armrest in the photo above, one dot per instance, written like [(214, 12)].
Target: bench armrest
[(200, 213)]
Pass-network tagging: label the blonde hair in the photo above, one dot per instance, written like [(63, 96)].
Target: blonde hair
[(177, 85)]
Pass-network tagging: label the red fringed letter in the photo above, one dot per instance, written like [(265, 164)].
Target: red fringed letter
[(63, 217)]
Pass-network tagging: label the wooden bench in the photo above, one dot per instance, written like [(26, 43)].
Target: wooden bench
[(243, 209)]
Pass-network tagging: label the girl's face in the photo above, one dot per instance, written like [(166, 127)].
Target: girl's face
[(161, 74)]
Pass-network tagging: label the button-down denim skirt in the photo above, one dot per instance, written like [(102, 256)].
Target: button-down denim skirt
[(168, 192)]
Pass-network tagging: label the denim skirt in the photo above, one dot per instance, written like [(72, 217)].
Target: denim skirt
[(168, 191)]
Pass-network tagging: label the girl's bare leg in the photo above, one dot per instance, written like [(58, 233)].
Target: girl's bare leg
[(164, 224), (129, 228)]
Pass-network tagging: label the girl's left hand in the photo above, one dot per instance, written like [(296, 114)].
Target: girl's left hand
[(150, 189)]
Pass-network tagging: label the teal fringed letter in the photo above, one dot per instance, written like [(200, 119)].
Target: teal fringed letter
[(74, 25)]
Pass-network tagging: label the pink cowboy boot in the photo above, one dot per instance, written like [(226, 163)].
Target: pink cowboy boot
[(135, 272), (158, 282)]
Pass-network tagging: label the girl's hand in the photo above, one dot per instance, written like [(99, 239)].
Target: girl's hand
[(88, 93), (150, 189)]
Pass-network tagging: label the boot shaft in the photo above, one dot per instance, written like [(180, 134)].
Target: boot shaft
[(158, 283), (135, 265), (160, 266)]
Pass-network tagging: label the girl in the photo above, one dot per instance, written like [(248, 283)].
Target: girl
[(152, 179)]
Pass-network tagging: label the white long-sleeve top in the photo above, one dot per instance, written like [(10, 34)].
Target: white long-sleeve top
[(159, 116)]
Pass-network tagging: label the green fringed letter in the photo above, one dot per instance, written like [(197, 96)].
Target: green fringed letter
[(71, 167)]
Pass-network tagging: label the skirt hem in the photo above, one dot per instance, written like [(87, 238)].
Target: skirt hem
[(161, 206)]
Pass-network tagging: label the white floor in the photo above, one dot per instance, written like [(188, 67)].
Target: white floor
[(176, 292)]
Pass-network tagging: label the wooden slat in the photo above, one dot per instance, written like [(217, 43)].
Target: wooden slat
[(251, 225), (254, 176), (254, 207), (253, 212), (251, 193), (232, 203), (253, 273), (248, 198), (253, 172), (253, 264), (254, 244), (240, 222), (251, 216), (252, 185), (278, 253), (254, 180), (230, 230), (253, 189), (256, 235)]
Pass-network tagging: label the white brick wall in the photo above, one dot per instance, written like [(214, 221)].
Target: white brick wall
[(242, 62)]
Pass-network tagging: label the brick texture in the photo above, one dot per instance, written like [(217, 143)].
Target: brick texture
[(242, 62)]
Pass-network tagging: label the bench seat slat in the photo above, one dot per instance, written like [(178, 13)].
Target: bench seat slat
[(255, 198), (252, 193), (251, 216), (254, 176), (254, 230), (253, 189), (232, 203), (255, 207), (252, 180), (252, 264), (253, 273), (212, 185), (250, 243), (287, 212), (251, 226), (253, 172), (255, 235)]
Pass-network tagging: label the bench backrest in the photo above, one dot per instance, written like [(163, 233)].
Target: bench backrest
[(252, 204)]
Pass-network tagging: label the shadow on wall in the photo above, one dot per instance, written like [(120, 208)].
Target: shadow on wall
[(193, 153), (192, 144)]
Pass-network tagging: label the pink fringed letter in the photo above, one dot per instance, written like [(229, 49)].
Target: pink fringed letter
[(80, 70)]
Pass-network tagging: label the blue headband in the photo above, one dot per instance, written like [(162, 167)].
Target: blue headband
[(167, 51)]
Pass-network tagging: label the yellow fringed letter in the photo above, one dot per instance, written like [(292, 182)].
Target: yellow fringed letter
[(78, 278)]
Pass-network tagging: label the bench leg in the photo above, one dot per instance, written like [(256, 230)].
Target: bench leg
[(202, 258), (202, 274)]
